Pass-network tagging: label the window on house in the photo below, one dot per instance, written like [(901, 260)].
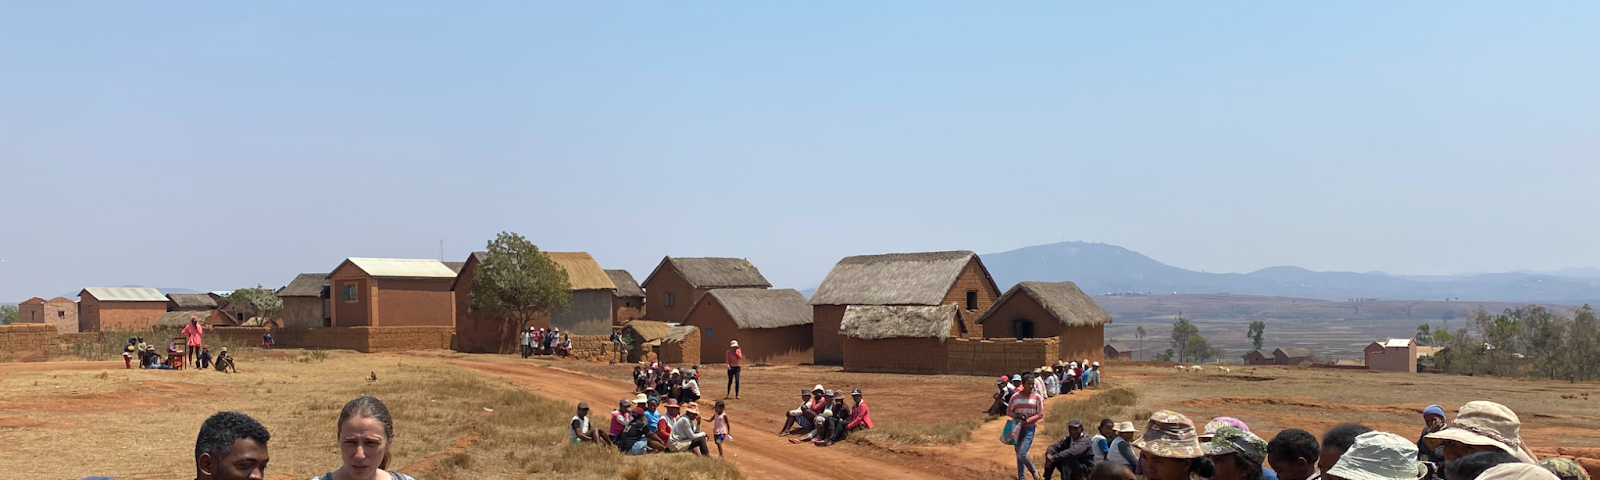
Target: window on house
[(349, 292), (61, 313), (708, 333), (1022, 328), (972, 299), (240, 316), (671, 300)]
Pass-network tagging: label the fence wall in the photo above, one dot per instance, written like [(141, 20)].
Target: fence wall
[(361, 339), (27, 338)]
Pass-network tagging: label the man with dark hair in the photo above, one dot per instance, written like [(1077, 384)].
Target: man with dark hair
[(1073, 455), (1111, 471), (1293, 455), (231, 446), (1470, 466), (1336, 442)]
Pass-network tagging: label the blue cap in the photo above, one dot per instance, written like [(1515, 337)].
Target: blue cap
[(1016, 378), (1433, 410)]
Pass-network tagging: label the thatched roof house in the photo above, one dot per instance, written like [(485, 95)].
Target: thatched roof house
[(771, 326), (677, 284), (877, 322), (306, 285), (627, 300), (642, 332), (305, 301), (1050, 309), (191, 301), (929, 278), (626, 286)]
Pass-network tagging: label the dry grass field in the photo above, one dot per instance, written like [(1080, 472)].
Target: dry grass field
[(493, 416)]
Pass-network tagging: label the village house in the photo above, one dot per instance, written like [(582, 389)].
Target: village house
[(392, 292), (1049, 309), (662, 342), (59, 311), (1392, 355), (1256, 357), (627, 300), (901, 279), (109, 309), (643, 336), (193, 301), (210, 318), (305, 301), (589, 314), (475, 334), (677, 284), (1291, 356), (771, 326), (1118, 351), (897, 339)]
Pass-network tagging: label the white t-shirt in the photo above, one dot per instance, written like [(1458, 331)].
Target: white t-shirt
[(583, 425), (692, 386)]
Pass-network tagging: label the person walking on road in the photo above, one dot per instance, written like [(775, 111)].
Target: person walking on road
[(732, 357), (1027, 408)]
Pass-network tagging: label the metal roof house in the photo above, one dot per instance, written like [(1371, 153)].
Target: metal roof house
[(389, 292), (119, 308)]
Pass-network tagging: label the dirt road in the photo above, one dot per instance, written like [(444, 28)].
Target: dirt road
[(757, 452), (54, 366)]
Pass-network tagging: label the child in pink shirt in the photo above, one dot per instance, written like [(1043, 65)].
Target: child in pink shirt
[(719, 425)]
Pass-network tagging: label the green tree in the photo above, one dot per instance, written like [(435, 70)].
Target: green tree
[(517, 284), (1543, 338), (255, 302), (1164, 356), (1425, 335), (8, 314), (1257, 334), (1182, 333), (1583, 344), (1139, 334)]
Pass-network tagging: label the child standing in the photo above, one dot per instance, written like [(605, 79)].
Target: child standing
[(719, 425)]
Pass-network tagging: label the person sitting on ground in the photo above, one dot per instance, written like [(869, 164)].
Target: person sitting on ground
[(366, 435), (1336, 441), (859, 417), (1103, 433), (1237, 454), (1517, 471), (1170, 448), (820, 419), (1293, 455), (1094, 375), (839, 416), (1073, 455), (1052, 386), (225, 362), (1121, 452), (204, 358), (1377, 456), (1482, 427), (797, 417), (231, 446), (566, 346), (1002, 396), (686, 434), (1471, 466), (153, 360), (1071, 381), (1111, 471), (619, 419), (690, 391), (1564, 468), (635, 438), (266, 340), (579, 431)]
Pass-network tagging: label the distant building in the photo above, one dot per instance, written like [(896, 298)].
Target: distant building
[(1291, 356), (928, 278), (677, 284), (1392, 355), (107, 309), (305, 301), (627, 300), (1049, 309), (898, 339), (209, 318), (59, 311), (392, 292), (772, 326), (1256, 357), (1118, 351), (193, 301), (591, 312)]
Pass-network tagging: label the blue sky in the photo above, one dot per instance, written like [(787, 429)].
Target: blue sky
[(215, 145)]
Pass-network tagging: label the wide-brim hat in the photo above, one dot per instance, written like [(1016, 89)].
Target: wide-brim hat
[(818, 388), (640, 399), (1170, 434), (1124, 427), (1379, 456), (1517, 471), (1485, 424)]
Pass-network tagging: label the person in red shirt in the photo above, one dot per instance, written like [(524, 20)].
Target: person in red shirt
[(732, 357), (620, 418), (191, 335)]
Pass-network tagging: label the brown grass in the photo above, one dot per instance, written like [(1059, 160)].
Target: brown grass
[(927, 434), (1114, 404)]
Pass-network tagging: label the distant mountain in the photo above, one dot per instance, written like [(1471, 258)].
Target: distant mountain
[(1099, 269)]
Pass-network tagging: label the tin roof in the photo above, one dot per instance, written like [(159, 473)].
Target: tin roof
[(403, 267), (125, 294)]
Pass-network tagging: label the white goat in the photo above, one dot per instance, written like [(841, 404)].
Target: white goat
[(1196, 369)]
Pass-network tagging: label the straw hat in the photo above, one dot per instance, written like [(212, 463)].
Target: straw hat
[(1485, 424), (1230, 439), (692, 407), (1170, 434), (1517, 471), (1379, 456), (1123, 427)]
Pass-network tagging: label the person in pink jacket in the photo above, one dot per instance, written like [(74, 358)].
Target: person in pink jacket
[(191, 335), (732, 358)]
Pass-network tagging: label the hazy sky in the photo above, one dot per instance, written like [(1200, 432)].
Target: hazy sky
[(212, 145)]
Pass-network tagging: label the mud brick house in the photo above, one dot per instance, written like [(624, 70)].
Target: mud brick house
[(119, 308), (627, 301), (59, 312), (930, 279), (193, 301), (1050, 309), (475, 334), (643, 337), (209, 318), (1291, 356), (772, 326), (305, 301), (1256, 357), (898, 339), (677, 284), (592, 289), (1118, 351), (392, 292), (680, 346), (1392, 355)]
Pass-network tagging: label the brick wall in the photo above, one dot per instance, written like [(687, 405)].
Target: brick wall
[(896, 355), (789, 345), (592, 347), (26, 338), (626, 309), (414, 302), (972, 279), (667, 280), (95, 315), (825, 337), (361, 339), (63, 315), (1000, 357)]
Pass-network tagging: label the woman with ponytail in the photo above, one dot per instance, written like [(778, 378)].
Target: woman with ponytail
[(365, 433)]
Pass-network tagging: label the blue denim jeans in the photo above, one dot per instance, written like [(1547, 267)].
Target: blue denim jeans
[(638, 447), (1024, 442)]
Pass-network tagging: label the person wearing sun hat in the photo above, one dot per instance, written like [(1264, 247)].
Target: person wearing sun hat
[(1120, 450), (1517, 471), (1378, 456), (1052, 387), (732, 357), (1217, 424), (1237, 454), (1169, 447), (1482, 426)]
